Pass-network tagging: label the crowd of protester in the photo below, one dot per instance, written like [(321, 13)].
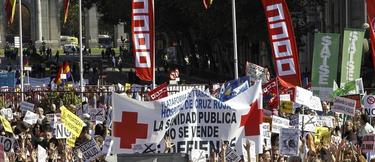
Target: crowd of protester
[(344, 145)]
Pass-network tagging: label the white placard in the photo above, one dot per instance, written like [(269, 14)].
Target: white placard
[(61, 132), (7, 142), (344, 106), (278, 123), (42, 154), (97, 114), (315, 103), (62, 76), (231, 155), (285, 97), (26, 106), (289, 141), (90, 150), (144, 148), (266, 132), (369, 101), (199, 155), (31, 118), (302, 96), (8, 113)]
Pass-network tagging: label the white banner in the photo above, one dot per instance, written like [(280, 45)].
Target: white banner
[(189, 118), (278, 123), (344, 106), (35, 82), (31, 118), (8, 113), (289, 141)]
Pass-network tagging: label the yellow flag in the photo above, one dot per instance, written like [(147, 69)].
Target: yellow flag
[(6, 124), (71, 121)]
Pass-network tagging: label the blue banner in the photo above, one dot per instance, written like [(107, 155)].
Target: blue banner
[(231, 88), (8, 79)]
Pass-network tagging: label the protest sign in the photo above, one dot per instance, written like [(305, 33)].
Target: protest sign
[(231, 88), (355, 97), (322, 135), (6, 124), (159, 92), (311, 122), (7, 113), (90, 150), (70, 141), (286, 106), (107, 146), (231, 155), (344, 106), (61, 132), (351, 55), (97, 114), (285, 97), (315, 103), (368, 143), (8, 79), (326, 54), (289, 141), (251, 152), (42, 154), (199, 155), (302, 96), (191, 117), (266, 133), (255, 72), (369, 105), (34, 82), (144, 148), (71, 121), (26, 106), (278, 123), (30, 117), (7, 142), (54, 118)]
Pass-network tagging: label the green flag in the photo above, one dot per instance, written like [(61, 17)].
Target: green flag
[(324, 67), (351, 55)]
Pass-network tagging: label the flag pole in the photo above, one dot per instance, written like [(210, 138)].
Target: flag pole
[(235, 60), (21, 48), (153, 46), (80, 48)]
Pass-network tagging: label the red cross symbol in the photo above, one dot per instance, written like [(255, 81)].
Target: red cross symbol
[(129, 130), (252, 119)]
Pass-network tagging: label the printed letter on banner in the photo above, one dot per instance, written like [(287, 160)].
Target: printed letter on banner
[(281, 35), (326, 54), (143, 38), (371, 21), (351, 55)]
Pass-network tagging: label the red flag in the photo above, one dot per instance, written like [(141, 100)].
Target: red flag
[(371, 21), (66, 10), (143, 38), (58, 76), (283, 43), (270, 87), (10, 8), (159, 92), (207, 3)]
